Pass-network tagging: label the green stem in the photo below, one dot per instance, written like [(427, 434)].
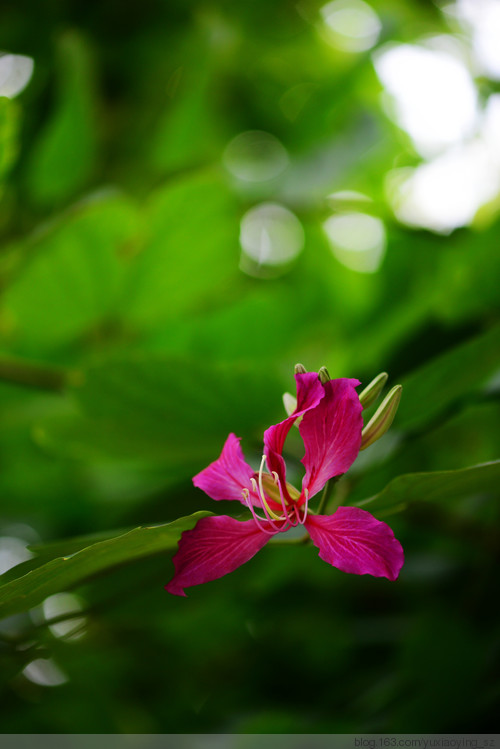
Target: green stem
[(327, 493), (39, 376), (324, 498)]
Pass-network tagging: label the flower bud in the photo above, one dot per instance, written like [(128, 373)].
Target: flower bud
[(324, 375), (382, 418), (300, 369), (290, 403), (373, 390)]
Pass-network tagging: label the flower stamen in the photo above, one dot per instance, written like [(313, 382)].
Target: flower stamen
[(306, 494), (283, 502), (246, 497), (262, 522), (271, 516), (260, 492)]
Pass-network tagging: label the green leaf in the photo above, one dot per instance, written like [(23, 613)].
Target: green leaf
[(191, 256), (186, 133), (436, 486), (68, 546), (169, 411), (64, 155), (438, 384), (44, 553), (67, 572), (73, 277), (467, 273)]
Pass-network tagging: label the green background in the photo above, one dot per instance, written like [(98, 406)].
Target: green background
[(132, 342)]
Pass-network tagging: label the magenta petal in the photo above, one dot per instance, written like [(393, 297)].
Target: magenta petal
[(227, 476), (309, 393), (331, 434), (354, 541), (216, 547)]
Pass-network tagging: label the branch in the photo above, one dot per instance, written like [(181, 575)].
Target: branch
[(39, 376)]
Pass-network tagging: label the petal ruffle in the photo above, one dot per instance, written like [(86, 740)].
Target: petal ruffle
[(331, 434), (227, 476), (218, 545), (309, 393), (354, 541)]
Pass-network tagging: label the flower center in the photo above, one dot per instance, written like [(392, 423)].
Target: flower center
[(270, 492)]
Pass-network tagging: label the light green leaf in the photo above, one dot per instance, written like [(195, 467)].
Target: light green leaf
[(436, 486), (186, 133), (64, 156), (67, 572), (191, 258), (72, 279)]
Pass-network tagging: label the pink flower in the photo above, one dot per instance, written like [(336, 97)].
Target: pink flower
[(351, 539)]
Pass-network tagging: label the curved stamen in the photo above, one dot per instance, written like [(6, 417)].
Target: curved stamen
[(283, 503), (261, 491), (260, 522), (271, 517), (257, 518)]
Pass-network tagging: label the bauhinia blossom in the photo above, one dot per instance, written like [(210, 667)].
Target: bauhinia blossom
[(350, 539)]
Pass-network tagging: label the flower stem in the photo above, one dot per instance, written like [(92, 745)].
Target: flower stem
[(324, 498), (327, 493)]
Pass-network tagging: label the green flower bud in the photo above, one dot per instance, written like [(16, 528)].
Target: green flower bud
[(382, 418), (373, 390), (300, 369), (324, 375), (290, 403)]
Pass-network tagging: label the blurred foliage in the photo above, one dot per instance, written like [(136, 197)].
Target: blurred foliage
[(132, 341)]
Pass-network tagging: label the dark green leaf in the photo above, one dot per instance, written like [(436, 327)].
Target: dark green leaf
[(434, 387), (163, 409), (8, 134), (436, 486)]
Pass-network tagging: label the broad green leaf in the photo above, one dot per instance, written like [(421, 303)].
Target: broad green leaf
[(164, 410), (31, 481), (466, 277), (67, 572), (436, 486), (434, 387), (64, 155), (68, 546), (191, 257), (44, 553), (267, 323), (72, 279), (186, 133), (468, 438)]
